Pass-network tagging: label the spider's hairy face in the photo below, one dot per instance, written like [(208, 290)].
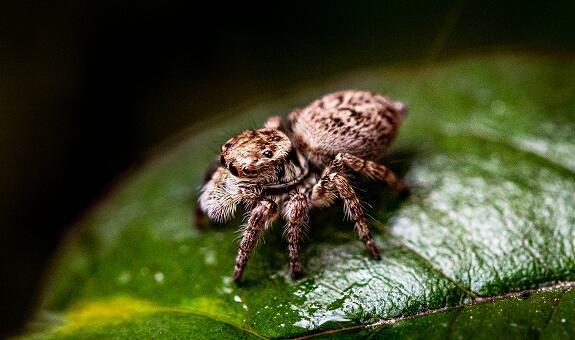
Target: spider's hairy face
[(256, 153)]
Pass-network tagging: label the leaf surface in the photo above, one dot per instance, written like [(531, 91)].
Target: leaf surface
[(489, 151)]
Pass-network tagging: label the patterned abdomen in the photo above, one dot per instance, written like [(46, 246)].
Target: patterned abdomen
[(356, 122)]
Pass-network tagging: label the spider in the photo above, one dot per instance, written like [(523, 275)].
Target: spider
[(304, 161)]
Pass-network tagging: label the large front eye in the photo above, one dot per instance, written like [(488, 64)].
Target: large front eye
[(226, 146), (268, 153), (222, 160)]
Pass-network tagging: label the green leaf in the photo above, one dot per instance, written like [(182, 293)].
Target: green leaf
[(488, 149)]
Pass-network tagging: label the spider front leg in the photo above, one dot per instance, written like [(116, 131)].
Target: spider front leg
[(296, 215), (261, 217), (333, 183), (220, 196)]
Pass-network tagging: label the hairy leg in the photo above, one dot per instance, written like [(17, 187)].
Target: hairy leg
[(371, 170), (199, 214), (220, 196), (261, 217), (296, 215), (273, 122), (323, 193)]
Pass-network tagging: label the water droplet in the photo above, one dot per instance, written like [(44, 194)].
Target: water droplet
[(237, 298), (124, 278), (226, 284), (498, 107), (159, 277), (303, 324), (299, 293)]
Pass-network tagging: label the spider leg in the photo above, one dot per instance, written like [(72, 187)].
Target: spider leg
[(273, 122), (220, 196), (334, 183), (296, 215), (198, 218), (261, 217), (372, 170)]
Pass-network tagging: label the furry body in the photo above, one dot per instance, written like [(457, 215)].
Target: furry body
[(286, 169)]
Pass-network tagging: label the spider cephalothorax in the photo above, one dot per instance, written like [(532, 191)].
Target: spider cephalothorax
[(286, 169), (257, 155)]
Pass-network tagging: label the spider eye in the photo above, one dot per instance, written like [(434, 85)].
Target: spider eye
[(222, 160), (233, 170), (268, 154)]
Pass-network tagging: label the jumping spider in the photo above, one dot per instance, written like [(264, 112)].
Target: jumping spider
[(291, 166)]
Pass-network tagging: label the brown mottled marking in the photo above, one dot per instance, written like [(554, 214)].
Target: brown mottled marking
[(355, 122)]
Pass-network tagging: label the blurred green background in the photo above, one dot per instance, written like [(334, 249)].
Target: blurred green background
[(87, 89)]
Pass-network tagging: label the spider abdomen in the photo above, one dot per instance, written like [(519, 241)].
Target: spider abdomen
[(356, 122)]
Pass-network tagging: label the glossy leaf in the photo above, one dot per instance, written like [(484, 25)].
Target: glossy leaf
[(488, 149)]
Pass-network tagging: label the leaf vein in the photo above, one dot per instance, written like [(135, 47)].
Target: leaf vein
[(563, 286)]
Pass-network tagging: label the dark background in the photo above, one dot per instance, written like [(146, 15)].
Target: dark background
[(86, 88)]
